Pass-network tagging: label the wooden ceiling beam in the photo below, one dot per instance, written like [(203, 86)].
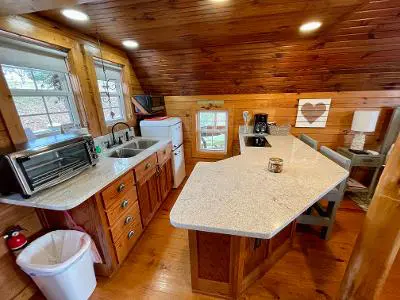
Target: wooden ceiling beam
[(12, 7)]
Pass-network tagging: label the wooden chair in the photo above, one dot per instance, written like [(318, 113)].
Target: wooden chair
[(325, 217), (309, 141)]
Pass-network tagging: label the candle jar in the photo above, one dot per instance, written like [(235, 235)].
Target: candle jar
[(275, 165)]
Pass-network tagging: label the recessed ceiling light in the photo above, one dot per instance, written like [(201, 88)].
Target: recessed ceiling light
[(130, 44), (75, 15), (310, 26)]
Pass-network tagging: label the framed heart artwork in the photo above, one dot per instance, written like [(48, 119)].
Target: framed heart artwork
[(313, 112)]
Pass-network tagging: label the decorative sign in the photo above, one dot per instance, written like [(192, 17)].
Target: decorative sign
[(313, 112), (208, 104)]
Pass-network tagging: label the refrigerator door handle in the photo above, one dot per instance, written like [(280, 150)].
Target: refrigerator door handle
[(174, 147)]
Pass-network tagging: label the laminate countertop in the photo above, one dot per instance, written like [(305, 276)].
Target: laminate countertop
[(78, 189), (239, 196)]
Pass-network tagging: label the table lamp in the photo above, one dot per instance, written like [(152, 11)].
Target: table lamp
[(363, 121)]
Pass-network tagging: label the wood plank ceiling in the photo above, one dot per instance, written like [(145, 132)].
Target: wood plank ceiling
[(252, 46)]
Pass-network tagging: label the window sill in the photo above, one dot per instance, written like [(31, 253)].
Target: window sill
[(210, 155)]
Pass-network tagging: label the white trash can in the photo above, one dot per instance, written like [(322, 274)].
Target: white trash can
[(61, 265)]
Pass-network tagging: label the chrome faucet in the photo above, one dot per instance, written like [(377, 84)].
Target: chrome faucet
[(114, 141)]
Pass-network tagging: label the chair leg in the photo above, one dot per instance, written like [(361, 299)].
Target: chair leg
[(326, 232)]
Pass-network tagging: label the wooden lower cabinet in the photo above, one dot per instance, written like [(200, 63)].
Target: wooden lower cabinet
[(127, 240), (154, 187), (226, 265), (165, 179), (116, 216), (149, 199)]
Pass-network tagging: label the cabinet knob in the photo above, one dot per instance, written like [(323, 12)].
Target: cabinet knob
[(124, 203), (131, 234), (121, 187), (148, 165), (165, 151), (128, 219)]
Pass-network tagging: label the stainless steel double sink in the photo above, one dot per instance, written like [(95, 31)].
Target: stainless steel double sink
[(132, 149)]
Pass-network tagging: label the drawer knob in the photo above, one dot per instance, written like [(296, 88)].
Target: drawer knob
[(124, 203), (165, 151), (121, 187), (128, 219), (148, 165), (131, 234)]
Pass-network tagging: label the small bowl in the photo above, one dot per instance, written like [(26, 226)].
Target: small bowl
[(275, 165)]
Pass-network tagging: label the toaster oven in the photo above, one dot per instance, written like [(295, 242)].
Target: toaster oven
[(46, 162)]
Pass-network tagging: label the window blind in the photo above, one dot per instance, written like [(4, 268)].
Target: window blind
[(22, 54), (113, 71)]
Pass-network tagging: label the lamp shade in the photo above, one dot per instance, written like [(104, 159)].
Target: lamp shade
[(365, 120)]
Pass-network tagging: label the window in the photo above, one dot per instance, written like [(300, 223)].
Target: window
[(212, 130), (40, 86), (43, 99), (110, 88)]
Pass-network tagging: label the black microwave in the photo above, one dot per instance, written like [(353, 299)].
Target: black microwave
[(149, 104)]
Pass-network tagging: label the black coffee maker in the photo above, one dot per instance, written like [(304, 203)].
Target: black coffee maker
[(260, 123)]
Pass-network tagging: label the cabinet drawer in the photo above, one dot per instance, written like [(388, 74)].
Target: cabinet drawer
[(117, 190), (127, 240), (129, 218), (121, 205), (147, 166), (164, 154)]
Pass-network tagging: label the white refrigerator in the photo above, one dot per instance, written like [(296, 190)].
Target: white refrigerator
[(171, 128)]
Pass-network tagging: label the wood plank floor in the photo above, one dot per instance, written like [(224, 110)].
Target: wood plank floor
[(158, 267)]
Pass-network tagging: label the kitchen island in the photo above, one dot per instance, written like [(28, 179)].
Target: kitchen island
[(241, 218)]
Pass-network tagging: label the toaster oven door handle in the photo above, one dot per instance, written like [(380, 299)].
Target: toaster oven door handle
[(22, 159), (49, 149)]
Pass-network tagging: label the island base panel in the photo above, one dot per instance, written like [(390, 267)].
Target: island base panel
[(225, 265)]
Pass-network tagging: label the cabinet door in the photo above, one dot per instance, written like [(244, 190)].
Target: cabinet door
[(144, 201), (170, 177), (155, 198), (165, 179), (149, 199), (162, 182)]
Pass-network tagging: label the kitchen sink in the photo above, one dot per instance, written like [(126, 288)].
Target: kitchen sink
[(140, 144), (125, 153)]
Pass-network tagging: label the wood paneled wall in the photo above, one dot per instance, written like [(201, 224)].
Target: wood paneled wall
[(13, 282), (198, 47), (282, 108)]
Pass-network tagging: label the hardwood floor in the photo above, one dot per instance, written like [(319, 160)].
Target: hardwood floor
[(158, 267)]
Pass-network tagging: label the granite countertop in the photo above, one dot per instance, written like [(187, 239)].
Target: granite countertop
[(78, 189), (239, 196)]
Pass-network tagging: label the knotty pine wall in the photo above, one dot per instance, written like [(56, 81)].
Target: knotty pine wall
[(14, 284), (282, 108)]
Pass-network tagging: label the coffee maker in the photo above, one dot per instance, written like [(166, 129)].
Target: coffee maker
[(261, 123)]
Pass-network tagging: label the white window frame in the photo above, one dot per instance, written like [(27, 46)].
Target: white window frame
[(118, 93), (213, 130), (43, 93)]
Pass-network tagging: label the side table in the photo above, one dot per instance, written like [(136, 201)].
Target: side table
[(365, 160)]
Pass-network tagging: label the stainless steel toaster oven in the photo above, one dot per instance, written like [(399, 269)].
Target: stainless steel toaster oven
[(46, 162)]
